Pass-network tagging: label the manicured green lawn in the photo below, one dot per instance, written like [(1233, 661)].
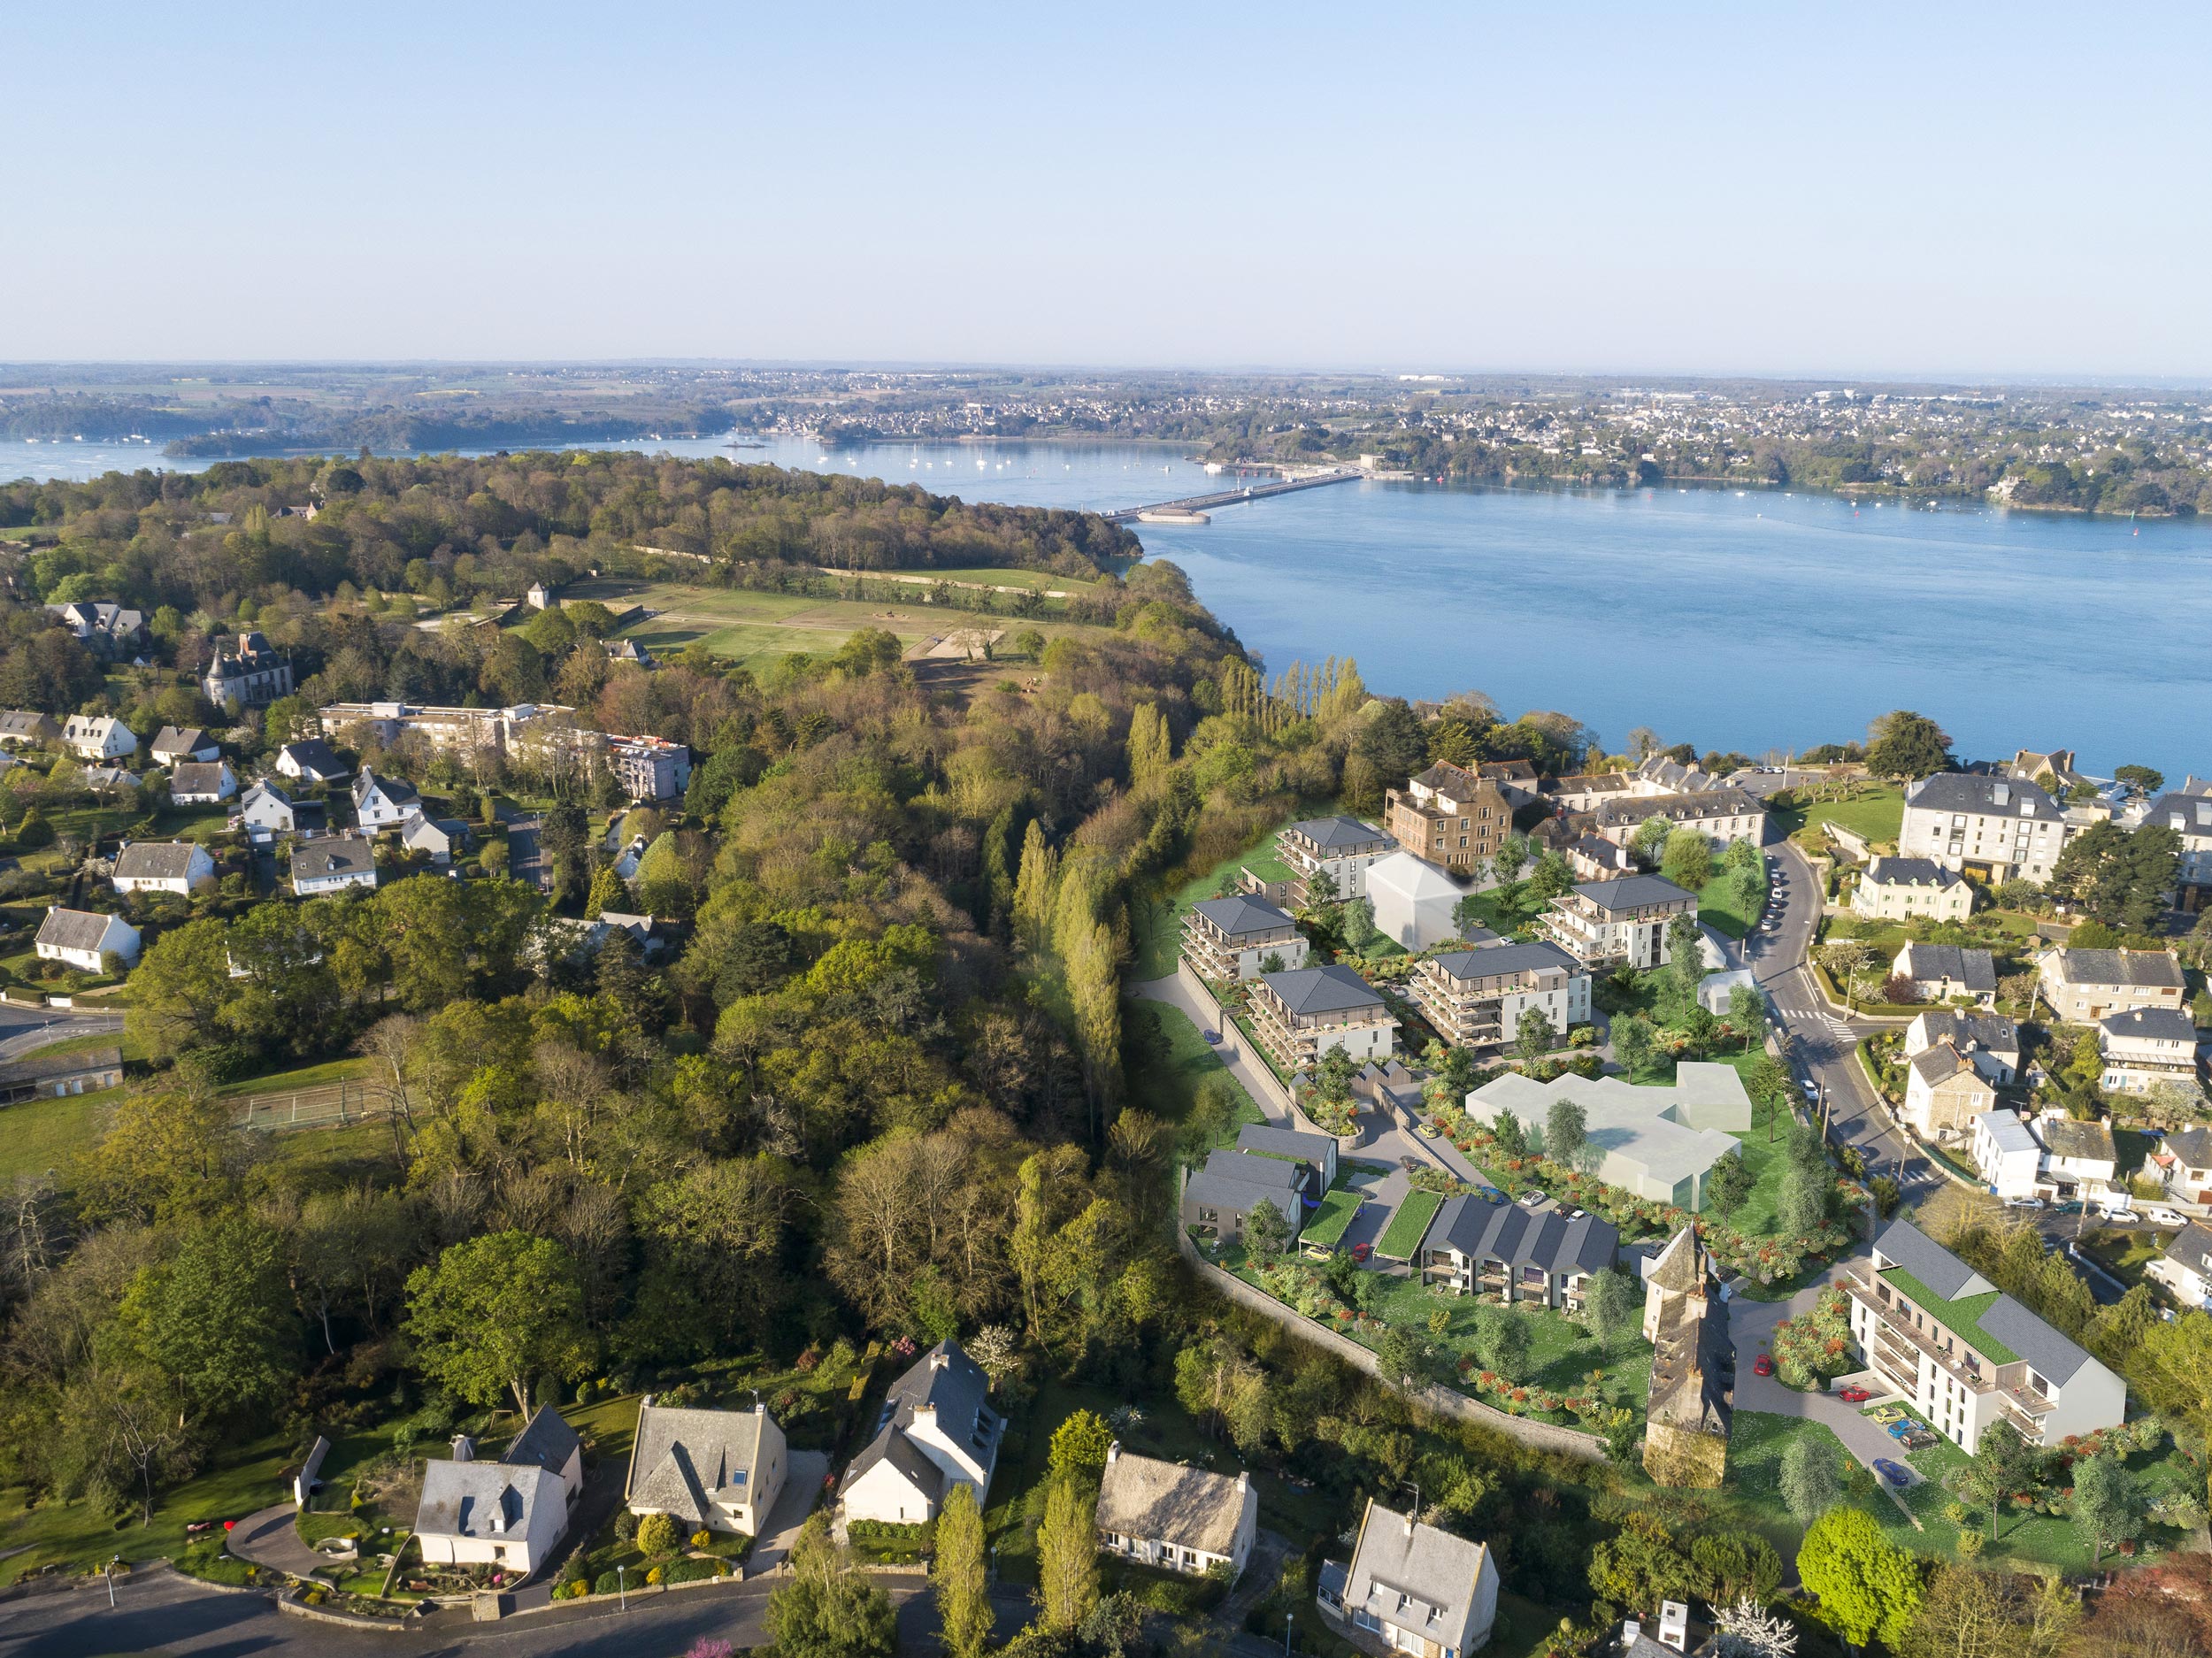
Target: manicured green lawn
[(1330, 1220), (1561, 1352), (1877, 811), (42, 1134), (316, 1076), (1504, 916), (1720, 908), (2124, 1254), (1404, 1235)]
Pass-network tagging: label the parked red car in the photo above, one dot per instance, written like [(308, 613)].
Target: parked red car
[(1360, 1252), (1763, 1366), (1854, 1395)]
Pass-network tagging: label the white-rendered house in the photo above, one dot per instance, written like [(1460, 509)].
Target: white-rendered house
[(383, 802), (1413, 900), (202, 783), (936, 1431), (98, 737), (84, 938), (162, 866), (2006, 1154), (333, 865), (1411, 1588), (510, 1513)]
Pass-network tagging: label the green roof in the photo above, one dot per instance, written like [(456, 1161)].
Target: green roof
[(1330, 1219), (1961, 1317), (1402, 1237)]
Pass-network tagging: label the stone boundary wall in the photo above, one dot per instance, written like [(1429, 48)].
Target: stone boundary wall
[(1232, 1042), (1543, 1436)]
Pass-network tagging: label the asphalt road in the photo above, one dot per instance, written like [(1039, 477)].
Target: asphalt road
[(1822, 1042), (24, 1029), (159, 1610)]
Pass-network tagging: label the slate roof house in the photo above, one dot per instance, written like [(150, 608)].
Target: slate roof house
[(937, 1429), (29, 727), (510, 1513), (2187, 812), (2083, 985), (1220, 1197), (1940, 971), (1181, 1519), (1945, 1091), (267, 812), (194, 783), (98, 737), (311, 760), (1893, 889), (2185, 1165), (718, 1469), (1449, 815), (162, 866), (82, 938), (332, 865), (1992, 828), (1966, 1354), (383, 802), (1991, 1042), (1317, 1152), (2186, 1267), (1410, 1588), (171, 746), (442, 838), (1505, 1252), (247, 671), (2146, 1045)]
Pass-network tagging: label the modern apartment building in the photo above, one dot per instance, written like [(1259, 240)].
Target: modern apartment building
[(1449, 815), (2187, 812), (1604, 923), (1300, 1015), (1992, 828), (1475, 998), (649, 767), (1341, 846), (1226, 940), (1965, 1353)]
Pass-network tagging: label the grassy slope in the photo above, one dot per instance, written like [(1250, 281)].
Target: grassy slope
[(1877, 814), (1718, 908), (1159, 930)]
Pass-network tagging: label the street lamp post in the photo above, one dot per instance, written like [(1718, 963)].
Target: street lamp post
[(1288, 1620), (622, 1589), (108, 1571)]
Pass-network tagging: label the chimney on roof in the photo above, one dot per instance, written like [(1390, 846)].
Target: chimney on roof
[(759, 1409), (939, 1358), (463, 1448), (1630, 1630), (1244, 1479), (2001, 794)]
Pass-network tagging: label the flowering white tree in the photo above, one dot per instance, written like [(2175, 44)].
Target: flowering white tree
[(1748, 1630)]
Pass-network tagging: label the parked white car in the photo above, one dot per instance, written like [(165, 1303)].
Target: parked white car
[(2165, 1217), (2024, 1202), (2121, 1213)]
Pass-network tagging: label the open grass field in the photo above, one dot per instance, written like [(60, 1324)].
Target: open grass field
[(43, 1135), (1167, 1083), (1719, 908), (1159, 927), (1877, 811)]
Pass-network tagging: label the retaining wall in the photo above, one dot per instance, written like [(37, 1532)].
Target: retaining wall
[(1543, 1436)]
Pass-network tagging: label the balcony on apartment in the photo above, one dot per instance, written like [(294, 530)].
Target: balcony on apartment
[(1908, 1342)]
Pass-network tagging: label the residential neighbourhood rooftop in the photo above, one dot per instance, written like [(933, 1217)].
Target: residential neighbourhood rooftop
[(1240, 916), (1331, 989)]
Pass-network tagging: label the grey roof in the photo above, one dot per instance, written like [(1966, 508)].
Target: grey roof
[(393, 789), (957, 1388), (483, 1498), (1339, 833), (1941, 1064), (1976, 970), (2186, 813), (682, 1458), (156, 859), (73, 929), (546, 1441), (1910, 873), (1963, 792), (1144, 1497), (1286, 1142), (1684, 808), (196, 777), (2048, 1353), (1239, 916), (314, 754), (2163, 1025), (2062, 1137), (264, 788), (191, 740), (1991, 1031), (1481, 1230), (1435, 1572), (1331, 989), (341, 855), (1903, 1244), (1254, 1170), (2008, 1132), (27, 722), (2191, 1147), (2150, 969), (2191, 1247), (1240, 1181), (1634, 891), (1504, 959)]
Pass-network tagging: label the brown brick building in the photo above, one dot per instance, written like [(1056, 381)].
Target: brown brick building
[(1449, 815)]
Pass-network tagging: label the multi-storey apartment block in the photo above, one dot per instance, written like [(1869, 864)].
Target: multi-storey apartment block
[(1721, 814), (1503, 1252), (1300, 1015), (1965, 1353), (1601, 923), (2187, 812), (1341, 847), (1226, 940), (1449, 815), (1475, 998), (2083, 987), (1992, 828)]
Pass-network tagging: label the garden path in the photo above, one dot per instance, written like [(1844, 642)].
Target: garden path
[(270, 1539)]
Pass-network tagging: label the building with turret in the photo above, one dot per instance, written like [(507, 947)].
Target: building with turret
[(1686, 1429)]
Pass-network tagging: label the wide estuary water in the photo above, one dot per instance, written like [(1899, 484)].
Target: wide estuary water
[(1753, 621)]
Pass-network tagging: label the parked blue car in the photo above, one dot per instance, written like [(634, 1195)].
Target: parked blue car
[(1896, 1473), (1213, 1036), (1490, 1195)]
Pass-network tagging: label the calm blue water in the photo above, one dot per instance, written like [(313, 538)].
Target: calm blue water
[(1749, 622)]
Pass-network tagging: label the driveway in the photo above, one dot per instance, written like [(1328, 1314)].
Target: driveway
[(270, 1539), (1248, 1068), (802, 1490), (525, 860)]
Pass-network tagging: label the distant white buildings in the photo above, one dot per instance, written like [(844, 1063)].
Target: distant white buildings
[(1413, 901), (2050, 1155)]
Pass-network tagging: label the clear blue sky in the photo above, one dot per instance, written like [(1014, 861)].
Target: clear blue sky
[(1853, 189)]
